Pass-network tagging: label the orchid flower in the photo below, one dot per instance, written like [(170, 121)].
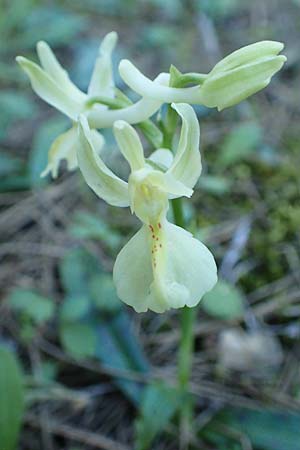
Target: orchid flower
[(52, 83), (163, 266), (236, 77)]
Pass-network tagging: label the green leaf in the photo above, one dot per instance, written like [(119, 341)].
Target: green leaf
[(8, 164), (219, 8), (11, 400), (76, 270), (89, 226), (74, 308), (17, 106), (58, 26), (14, 183), (224, 301), (34, 306), (214, 184), (159, 404), (103, 293), (78, 339), (42, 141), (267, 430), (117, 346), (242, 141)]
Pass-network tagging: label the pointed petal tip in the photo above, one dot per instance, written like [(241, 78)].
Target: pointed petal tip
[(45, 172), (179, 106), (112, 36), (41, 44), (175, 105), (109, 42), (124, 65), (50, 170), (282, 58), (278, 46), (21, 60)]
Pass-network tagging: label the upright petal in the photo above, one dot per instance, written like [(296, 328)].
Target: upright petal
[(50, 91), (130, 144), (162, 267), (102, 82), (97, 175), (58, 74), (186, 166)]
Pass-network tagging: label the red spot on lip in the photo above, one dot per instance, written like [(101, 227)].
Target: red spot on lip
[(159, 225), (153, 236), (151, 228), (157, 238)]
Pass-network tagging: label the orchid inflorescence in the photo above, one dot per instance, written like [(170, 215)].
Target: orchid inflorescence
[(163, 266)]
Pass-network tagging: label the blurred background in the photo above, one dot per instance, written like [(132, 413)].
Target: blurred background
[(79, 370)]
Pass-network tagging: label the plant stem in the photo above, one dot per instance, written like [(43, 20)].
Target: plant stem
[(186, 346)]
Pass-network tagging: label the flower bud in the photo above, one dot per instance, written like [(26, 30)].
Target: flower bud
[(241, 74)]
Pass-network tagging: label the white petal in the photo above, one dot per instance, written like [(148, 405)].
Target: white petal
[(65, 147), (133, 271), (186, 166), (50, 91), (97, 175), (58, 74), (190, 268), (130, 144), (177, 274), (162, 157), (136, 113), (148, 88), (149, 190), (175, 188), (102, 82)]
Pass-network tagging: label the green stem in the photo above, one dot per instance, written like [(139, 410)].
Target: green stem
[(186, 345)]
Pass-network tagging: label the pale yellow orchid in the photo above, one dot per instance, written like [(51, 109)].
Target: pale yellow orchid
[(163, 266), (236, 77), (52, 83)]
